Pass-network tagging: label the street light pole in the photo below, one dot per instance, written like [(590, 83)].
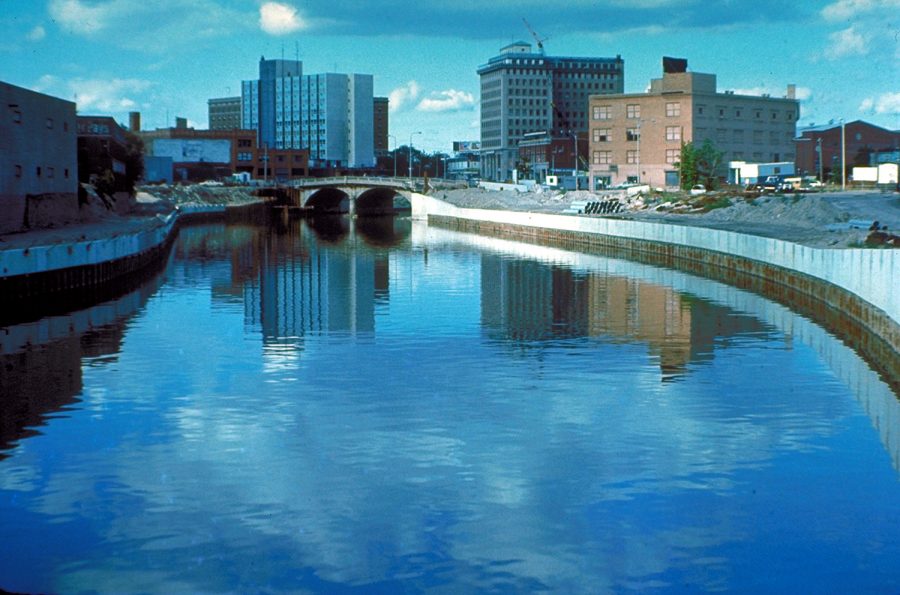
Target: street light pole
[(411, 134), (394, 153)]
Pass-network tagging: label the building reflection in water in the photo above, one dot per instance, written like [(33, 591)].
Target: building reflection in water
[(41, 362), (529, 301)]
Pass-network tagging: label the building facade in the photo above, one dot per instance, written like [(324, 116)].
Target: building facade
[(380, 125), (861, 141), (637, 138), (224, 113), (214, 154), (38, 153), (524, 91), (329, 114), (103, 155)]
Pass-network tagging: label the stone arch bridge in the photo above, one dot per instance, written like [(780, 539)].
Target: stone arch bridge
[(356, 196)]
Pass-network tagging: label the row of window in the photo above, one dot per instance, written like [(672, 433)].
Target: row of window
[(41, 172), (16, 115), (673, 156), (632, 157), (737, 113)]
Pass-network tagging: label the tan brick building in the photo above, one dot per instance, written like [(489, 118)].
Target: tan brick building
[(637, 138)]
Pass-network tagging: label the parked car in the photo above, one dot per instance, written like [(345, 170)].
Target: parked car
[(698, 189)]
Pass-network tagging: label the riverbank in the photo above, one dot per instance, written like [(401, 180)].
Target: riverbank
[(822, 220)]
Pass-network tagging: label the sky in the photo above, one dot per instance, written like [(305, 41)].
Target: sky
[(166, 58)]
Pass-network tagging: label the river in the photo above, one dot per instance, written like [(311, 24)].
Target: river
[(380, 406)]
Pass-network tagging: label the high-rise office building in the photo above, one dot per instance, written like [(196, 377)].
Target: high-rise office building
[(524, 91), (330, 114)]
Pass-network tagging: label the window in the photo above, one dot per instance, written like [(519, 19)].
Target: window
[(673, 133), (601, 135), (633, 111), (245, 142), (38, 171), (631, 156), (602, 157), (700, 109), (774, 115), (633, 134), (673, 109), (738, 135), (18, 171), (244, 156), (66, 173), (602, 112), (51, 172), (672, 155)]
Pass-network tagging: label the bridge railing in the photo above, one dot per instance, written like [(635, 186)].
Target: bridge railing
[(401, 183)]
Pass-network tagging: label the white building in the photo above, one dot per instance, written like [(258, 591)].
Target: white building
[(330, 114)]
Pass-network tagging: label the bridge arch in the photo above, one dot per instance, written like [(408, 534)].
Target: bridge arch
[(329, 200), (380, 201)]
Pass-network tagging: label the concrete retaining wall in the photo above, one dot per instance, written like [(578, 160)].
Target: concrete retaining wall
[(862, 283)]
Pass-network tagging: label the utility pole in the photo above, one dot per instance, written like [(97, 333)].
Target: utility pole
[(819, 150), (843, 155)]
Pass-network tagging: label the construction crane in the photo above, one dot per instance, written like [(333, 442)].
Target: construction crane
[(537, 38)]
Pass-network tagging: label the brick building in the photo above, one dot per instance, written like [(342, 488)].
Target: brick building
[(637, 138), (861, 139), (213, 154)]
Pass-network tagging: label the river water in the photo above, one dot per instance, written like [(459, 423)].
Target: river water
[(391, 408)]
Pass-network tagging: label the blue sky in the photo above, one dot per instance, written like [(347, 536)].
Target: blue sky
[(167, 57)]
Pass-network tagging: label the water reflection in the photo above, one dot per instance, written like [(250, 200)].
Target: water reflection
[(531, 301), (41, 362), (287, 414)]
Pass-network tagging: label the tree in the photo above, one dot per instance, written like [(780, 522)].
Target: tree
[(134, 160), (699, 166)]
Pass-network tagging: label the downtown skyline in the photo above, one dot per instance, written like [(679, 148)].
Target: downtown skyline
[(167, 58)]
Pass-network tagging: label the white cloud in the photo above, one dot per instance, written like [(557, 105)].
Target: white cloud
[(401, 97), (276, 18), (80, 18), (106, 95), (450, 100), (848, 42), (845, 10), (37, 34), (886, 103), (156, 27), (45, 83), (801, 94)]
